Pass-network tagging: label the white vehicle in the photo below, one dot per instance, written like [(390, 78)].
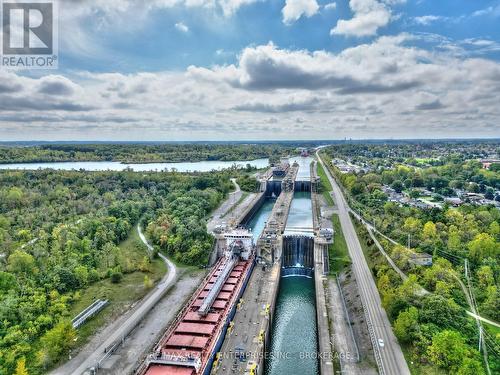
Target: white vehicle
[(381, 343)]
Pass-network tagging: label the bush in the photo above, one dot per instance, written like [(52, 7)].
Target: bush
[(116, 275), (248, 183)]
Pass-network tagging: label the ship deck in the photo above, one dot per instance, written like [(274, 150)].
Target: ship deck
[(193, 336)]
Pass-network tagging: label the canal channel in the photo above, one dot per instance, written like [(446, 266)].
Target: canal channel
[(259, 219), (294, 343)]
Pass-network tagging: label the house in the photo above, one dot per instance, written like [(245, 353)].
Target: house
[(454, 201), (474, 197), (421, 259), (487, 162)]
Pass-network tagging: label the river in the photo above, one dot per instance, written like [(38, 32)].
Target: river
[(199, 166)]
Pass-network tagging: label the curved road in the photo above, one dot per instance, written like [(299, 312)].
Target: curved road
[(172, 269), (219, 213), (82, 365), (391, 355)]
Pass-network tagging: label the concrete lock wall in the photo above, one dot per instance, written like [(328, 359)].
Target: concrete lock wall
[(250, 213), (298, 251)]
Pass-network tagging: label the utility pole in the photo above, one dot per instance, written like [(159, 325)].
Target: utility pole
[(409, 241), (480, 337)]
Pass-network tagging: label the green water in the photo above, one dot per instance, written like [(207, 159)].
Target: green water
[(258, 221), (294, 345), (294, 339), (294, 333)]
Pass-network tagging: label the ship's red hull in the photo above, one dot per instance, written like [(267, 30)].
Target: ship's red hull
[(195, 336)]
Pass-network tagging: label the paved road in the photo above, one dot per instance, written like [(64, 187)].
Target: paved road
[(81, 365), (143, 338), (172, 269), (218, 215), (393, 361)]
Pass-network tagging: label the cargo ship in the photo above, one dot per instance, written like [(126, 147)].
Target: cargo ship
[(190, 344)]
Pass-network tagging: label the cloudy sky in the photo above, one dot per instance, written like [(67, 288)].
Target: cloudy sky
[(262, 70)]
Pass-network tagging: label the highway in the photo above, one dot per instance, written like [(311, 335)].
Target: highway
[(82, 364), (391, 359)]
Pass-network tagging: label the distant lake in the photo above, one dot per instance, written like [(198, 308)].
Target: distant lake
[(199, 166)]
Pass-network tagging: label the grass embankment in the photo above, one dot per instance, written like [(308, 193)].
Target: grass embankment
[(122, 295), (338, 252), (492, 330), (326, 187)]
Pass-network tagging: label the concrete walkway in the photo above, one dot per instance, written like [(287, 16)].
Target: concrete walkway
[(219, 215)]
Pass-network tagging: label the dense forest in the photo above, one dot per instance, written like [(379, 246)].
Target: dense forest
[(142, 153), (60, 231), (434, 325)]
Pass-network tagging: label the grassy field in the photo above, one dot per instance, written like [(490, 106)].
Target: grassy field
[(122, 295), (338, 253), (326, 187)]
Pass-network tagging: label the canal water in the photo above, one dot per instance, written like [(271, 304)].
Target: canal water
[(294, 343), (199, 166), (293, 347), (300, 217), (304, 172), (294, 333), (258, 221)]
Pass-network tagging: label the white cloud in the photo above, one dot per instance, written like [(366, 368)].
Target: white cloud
[(229, 7), (361, 69), (389, 86), (331, 6), (294, 9), (181, 27), (489, 11), (427, 20), (112, 9), (394, 2), (368, 17)]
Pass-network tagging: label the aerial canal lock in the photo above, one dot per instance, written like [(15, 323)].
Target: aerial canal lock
[(279, 304), (303, 262), (248, 313)]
